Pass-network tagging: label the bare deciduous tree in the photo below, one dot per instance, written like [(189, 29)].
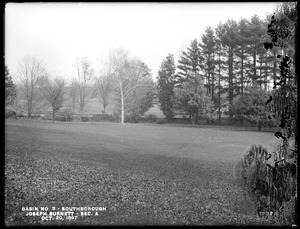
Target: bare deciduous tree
[(54, 93), (126, 73), (31, 70), (73, 94), (104, 88), (84, 76)]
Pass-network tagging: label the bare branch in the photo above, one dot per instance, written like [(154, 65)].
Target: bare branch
[(30, 72)]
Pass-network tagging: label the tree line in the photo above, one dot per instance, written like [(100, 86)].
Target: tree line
[(125, 79), (228, 72)]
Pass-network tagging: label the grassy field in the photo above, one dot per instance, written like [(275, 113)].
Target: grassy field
[(143, 174)]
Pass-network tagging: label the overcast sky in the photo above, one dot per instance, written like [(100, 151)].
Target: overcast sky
[(57, 33)]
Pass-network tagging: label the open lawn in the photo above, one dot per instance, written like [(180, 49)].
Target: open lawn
[(143, 174)]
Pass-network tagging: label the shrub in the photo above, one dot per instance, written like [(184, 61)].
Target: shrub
[(64, 115), (109, 118), (63, 118), (84, 119), (268, 123), (69, 118), (20, 115), (149, 118), (45, 118), (131, 119), (161, 121), (96, 118), (272, 188), (60, 118), (75, 117), (35, 116), (10, 114), (103, 117)]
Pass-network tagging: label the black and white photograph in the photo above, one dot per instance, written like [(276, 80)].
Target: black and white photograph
[(150, 114)]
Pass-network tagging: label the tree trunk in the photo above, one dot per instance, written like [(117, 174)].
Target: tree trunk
[(230, 82), (209, 85), (213, 79), (219, 92), (81, 104), (242, 73), (259, 125), (53, 114), (260, 73), (266, 76), (29, 113), (104, 108), (212, 87), (169, 116), (193, 120), (196, 118), (254, 66), (122, 108)]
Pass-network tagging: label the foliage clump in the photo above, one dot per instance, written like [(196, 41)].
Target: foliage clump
[(274, 188), (161, 121)]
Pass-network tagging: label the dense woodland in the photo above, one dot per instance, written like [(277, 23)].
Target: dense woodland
[(228, 72), (225, 74)]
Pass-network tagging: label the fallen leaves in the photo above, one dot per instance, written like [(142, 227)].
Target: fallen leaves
[(131, 197)]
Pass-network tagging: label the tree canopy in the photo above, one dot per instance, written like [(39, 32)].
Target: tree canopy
[(10, 89)]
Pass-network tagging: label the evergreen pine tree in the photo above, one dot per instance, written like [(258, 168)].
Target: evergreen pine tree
[(257, 30), (208, 46), (165, 85), (219, 62), (241, 53), (190, 63), (226, 33), (10, 88)]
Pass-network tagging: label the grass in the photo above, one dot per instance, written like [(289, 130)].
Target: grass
[(144, 174)]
